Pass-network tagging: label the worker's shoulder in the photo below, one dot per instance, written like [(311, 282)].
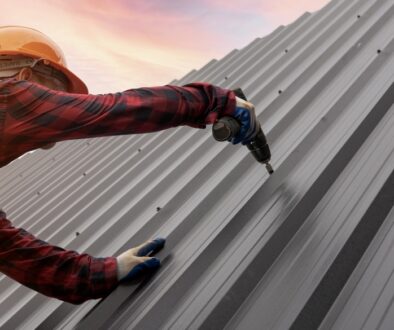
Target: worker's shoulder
[(9, 83), (12, 86)]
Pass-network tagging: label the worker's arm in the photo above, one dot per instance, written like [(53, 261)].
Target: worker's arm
[(37, 116), (68, 275)]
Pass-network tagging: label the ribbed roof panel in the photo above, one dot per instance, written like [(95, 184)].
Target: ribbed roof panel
[(308, 246)]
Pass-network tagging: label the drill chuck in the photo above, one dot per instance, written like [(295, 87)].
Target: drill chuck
[(225, 128), (260, 150)]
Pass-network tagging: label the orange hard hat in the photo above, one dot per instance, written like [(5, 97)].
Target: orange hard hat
[(23, 41)]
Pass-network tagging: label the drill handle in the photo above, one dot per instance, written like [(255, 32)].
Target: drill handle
[(227, 127)]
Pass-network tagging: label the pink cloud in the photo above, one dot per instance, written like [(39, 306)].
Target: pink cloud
[(121, 44), (279, 11)]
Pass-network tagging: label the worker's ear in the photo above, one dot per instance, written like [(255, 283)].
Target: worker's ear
[(25, 74)]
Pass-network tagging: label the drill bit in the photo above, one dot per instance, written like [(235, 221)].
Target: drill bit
[(269, 168)]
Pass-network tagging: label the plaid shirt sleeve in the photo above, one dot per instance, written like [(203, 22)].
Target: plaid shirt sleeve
[(36, 116), (51, 270)]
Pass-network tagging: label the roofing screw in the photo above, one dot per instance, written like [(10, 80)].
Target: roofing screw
[(38, 193), (379, 51), (77, 233), (358, 16), (158, 209), (280, 92), (84, 174), (139, 150), (225, 78), (286, 50)]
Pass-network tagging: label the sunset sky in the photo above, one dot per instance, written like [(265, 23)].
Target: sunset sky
[(120, 44)]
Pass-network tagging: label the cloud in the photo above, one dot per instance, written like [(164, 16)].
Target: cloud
[(115, 45), (279, 11)]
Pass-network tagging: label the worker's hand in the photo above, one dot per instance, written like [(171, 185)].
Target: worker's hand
[(134, 263), (250, 126)]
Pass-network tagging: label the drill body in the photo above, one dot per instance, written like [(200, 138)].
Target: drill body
[(228, 127)]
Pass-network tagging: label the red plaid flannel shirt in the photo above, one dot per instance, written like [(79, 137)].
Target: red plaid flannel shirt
[(32, 116)]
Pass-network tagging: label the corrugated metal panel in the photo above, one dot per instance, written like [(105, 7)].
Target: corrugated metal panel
[(367, 300), (245, 251)]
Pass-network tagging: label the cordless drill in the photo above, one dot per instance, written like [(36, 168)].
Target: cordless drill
[(228, 127)]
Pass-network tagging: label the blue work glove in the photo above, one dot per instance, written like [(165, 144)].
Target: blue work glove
[(245, 115), (134, 263)]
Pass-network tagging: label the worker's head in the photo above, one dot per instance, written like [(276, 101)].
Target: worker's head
[(27, 54)]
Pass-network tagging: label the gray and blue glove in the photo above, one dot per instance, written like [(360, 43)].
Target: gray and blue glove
[(136, 262), (245, 115)]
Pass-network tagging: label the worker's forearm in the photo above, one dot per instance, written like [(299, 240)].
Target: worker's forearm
[(51, 270), (39, 116)]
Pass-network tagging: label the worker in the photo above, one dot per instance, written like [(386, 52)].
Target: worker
[(42, 102)]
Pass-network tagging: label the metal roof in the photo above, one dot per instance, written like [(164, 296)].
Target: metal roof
[(309, 246)]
